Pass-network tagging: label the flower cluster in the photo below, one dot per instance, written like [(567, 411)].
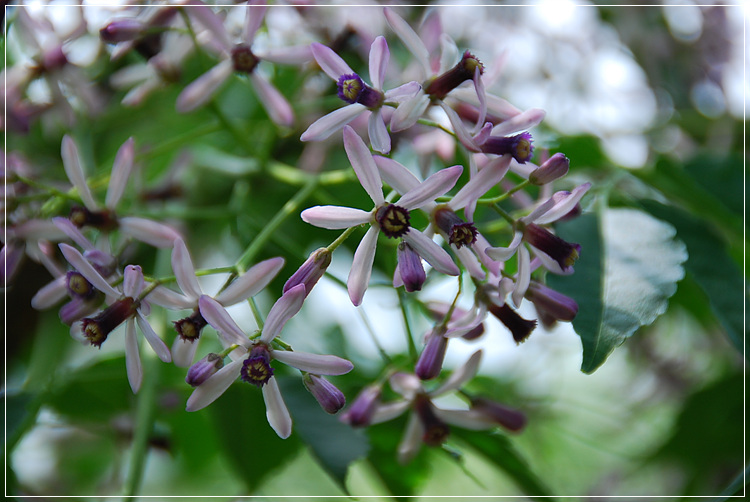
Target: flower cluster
[(487, 219)]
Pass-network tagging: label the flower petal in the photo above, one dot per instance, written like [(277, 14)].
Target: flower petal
[(431, 252), (410, 39), (411, 441), (153, 339), (379, 138), (359, 275), (409, 111), (564, 206), (183, 352), (388, 411), (211, 22), (462, 133), (50, 294), (403, 92), (120, 173), (284, 309), (72, 232), (221, 321), (149, 231), (76, 259), (314, 363), (184, 271), (210, 390), (460, 376), (448, 53), (330, 62), (276, 410), (278, 108), (502, 253), (379, 56), (396, 175), (74, 170), (466, 419), (254, 13), (133, 281), (132, 357), (523, 278), (470, 261), (335, 217), (521, 122), (251, 282), (364, 165), (201, 90), (332, 122), (431, 188), (167, 298)]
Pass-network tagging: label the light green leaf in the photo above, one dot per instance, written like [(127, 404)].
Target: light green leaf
[(633, 263)]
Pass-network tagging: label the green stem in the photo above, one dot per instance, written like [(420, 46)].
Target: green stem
[(407, 326), (499, 210), (432, 123), (449, 314), (371, 332), (256, 313), (260, 240), (341, 238), (500, 198), (51, 190)]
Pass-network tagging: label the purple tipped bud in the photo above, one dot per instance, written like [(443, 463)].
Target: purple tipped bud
[(564, 253), (550, 302), (435, 430), (518, 146), (430, 361), (122, 30), (310, 272), (329, 397), (459, 232), (203, 369), (410, 268), (509, 418), (463, 71), (554, 168), (519, 327), (97, 329), (353, 89), (362, 409)]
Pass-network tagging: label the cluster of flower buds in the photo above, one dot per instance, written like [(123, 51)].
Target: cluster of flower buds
[(431, 217)]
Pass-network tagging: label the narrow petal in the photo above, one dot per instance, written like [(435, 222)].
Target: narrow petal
[(523, 277), (410, 39), (251, 282), (480, 247), (462, 133), (448, 53), (278, 108), (406, 384), (335, 217), (431, 252), (359, 275), (396, 175), (431, 188), (330, 62), (76, 259), (133, 357), (120, 173), (460, 376), (201, 90), (207, 18), (183, 352), (184, 271), (466, 419), (74, 170), (254, 13), (564, 206), (294, 55), (364, 165), (379, 57), (153, 339), (480, 184), (379, 138), (471, 262), (133, 281), (332, 122), (167, 298), (314, 363), (221, 321), (402, 92), (521, 122), (50, 294), (72, 232), (276, 411), (479, 87), (284, 309), (502, 253), (210, 390), (388, 411), (411, 441), (149, 231), (409, 111)]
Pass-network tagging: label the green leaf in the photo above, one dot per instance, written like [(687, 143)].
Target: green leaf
[(629, 267), (334, 444), (252, 447), (498, 450), (710, 265)]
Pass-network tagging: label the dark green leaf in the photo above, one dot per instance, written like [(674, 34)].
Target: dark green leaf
[(710, 265), (252, 447), (334, 444), (498, 450)]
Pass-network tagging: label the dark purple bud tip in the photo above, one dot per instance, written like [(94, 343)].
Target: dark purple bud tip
[(361, 411), (563, 252), (554, 168), (243, 59), (257, 368), (393, 220), (519, 327), (203, 369), (310, 272), (459, 232), (410, 268), (97, 329), (190, 327), (518, 146), (509, 418), (550, 302), (353, 89), (329, 397), (431, 359)]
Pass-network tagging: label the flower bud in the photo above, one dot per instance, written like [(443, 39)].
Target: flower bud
[(361, 411), (329, 397), (430, 361), (518, 146), (203, 369), (563, 252), (464, 70), (310, 272), (509, 418), (554, 168), (121, 30), (410, 268), (552, 303)]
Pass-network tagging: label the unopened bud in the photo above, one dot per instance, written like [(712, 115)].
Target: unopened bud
[(410, 268), (310, 272), (509, 418), (121, 30), (203, 369), (361, 411), (329, 397), (554, 168), (430, 361)]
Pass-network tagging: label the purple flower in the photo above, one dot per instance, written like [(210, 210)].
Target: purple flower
[(251, 359), (360, 96), (391, 219), (125, 306)]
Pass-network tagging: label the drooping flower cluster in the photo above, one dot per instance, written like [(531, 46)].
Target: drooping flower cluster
[(467, 220)]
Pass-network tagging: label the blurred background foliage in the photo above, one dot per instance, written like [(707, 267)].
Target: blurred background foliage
[(647, 102)]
